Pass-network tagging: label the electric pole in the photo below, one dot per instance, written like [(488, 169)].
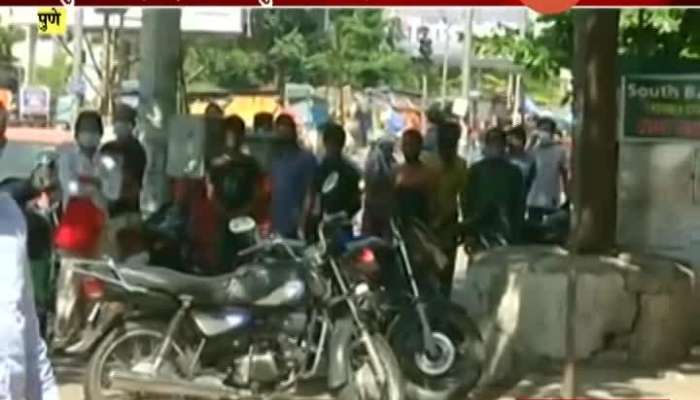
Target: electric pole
[(445, 60), (77, 79), (467, 60)]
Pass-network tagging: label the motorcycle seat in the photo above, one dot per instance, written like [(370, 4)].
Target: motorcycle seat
[(257, 285)]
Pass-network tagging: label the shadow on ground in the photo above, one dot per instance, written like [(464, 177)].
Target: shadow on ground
[(598, 380)]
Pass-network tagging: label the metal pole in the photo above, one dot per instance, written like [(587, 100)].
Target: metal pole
[(569, 378), (78, 56), (445, 66), (107, 64), (518, 112), (424, 89), (466, 64), (30, 76)]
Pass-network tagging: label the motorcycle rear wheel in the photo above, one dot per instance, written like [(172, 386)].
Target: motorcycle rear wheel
[(128, 334), (357, 388)]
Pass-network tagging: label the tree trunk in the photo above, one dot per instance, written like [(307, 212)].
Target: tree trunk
[(595, 147)]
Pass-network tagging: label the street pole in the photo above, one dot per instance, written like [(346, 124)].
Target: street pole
[(160, 45), (30, 76), (326, 19), (78, 58), (519, 95), (445, 65), (466, 63)]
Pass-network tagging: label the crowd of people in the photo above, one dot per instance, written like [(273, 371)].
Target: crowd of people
[(510, 177)]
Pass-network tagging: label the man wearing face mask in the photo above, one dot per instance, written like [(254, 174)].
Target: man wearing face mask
[(25, 370), (133, 156), (551, 179), (79, 170), (233, 181)]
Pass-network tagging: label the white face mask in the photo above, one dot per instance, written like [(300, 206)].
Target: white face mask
[(90, 140), (122, 129)]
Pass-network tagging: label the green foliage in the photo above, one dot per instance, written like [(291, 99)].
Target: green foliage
[(359, 50), (9, 35), (54, 76), (667, 33), (650, 33)]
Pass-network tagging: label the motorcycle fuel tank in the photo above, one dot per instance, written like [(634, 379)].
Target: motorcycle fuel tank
[(217, 322)]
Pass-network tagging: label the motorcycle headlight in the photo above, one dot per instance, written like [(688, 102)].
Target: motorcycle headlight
[(361, 289)]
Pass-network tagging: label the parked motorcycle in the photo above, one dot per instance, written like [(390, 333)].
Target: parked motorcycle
[(438, 346), (257, 332)]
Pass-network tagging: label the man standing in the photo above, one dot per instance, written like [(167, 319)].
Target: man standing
[(379, 176), (451, 179), (517, 138), (234, 180), (292, 173), (25, 371), (346, 197), (552, 177), (133, 156), (414, 184), (494, 197)]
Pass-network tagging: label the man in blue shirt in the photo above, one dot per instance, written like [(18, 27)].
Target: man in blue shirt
[(25, 371), (292, 173)]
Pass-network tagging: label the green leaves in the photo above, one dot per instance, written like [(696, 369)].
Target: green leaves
[(9, 35), (360, 49)]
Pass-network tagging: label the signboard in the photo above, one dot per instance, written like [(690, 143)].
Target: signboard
[(34, 101), (661, 107)]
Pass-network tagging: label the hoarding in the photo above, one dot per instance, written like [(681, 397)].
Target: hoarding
[(661, 107)]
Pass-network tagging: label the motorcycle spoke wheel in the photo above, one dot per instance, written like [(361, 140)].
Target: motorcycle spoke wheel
[(133, 351)]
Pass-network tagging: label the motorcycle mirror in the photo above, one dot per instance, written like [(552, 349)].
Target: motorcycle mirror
[(241, 225), (330, 183)]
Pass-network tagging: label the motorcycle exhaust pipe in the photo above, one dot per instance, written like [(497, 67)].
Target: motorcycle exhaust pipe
[(137, 382)]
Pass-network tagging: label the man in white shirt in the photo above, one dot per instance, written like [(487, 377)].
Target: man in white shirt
[(551, 178), (25, 370), (82, 171)]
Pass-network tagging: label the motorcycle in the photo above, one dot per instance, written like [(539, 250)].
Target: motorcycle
[(438, 346), (552, 227), (257, 332)]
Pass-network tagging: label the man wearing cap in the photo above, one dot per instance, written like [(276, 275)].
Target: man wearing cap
[(25, 370)]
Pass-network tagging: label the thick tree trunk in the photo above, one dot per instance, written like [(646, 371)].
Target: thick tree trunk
[(595, 147)]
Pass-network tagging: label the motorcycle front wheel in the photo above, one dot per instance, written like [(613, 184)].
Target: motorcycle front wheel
[(363, 383), (451, 374)]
